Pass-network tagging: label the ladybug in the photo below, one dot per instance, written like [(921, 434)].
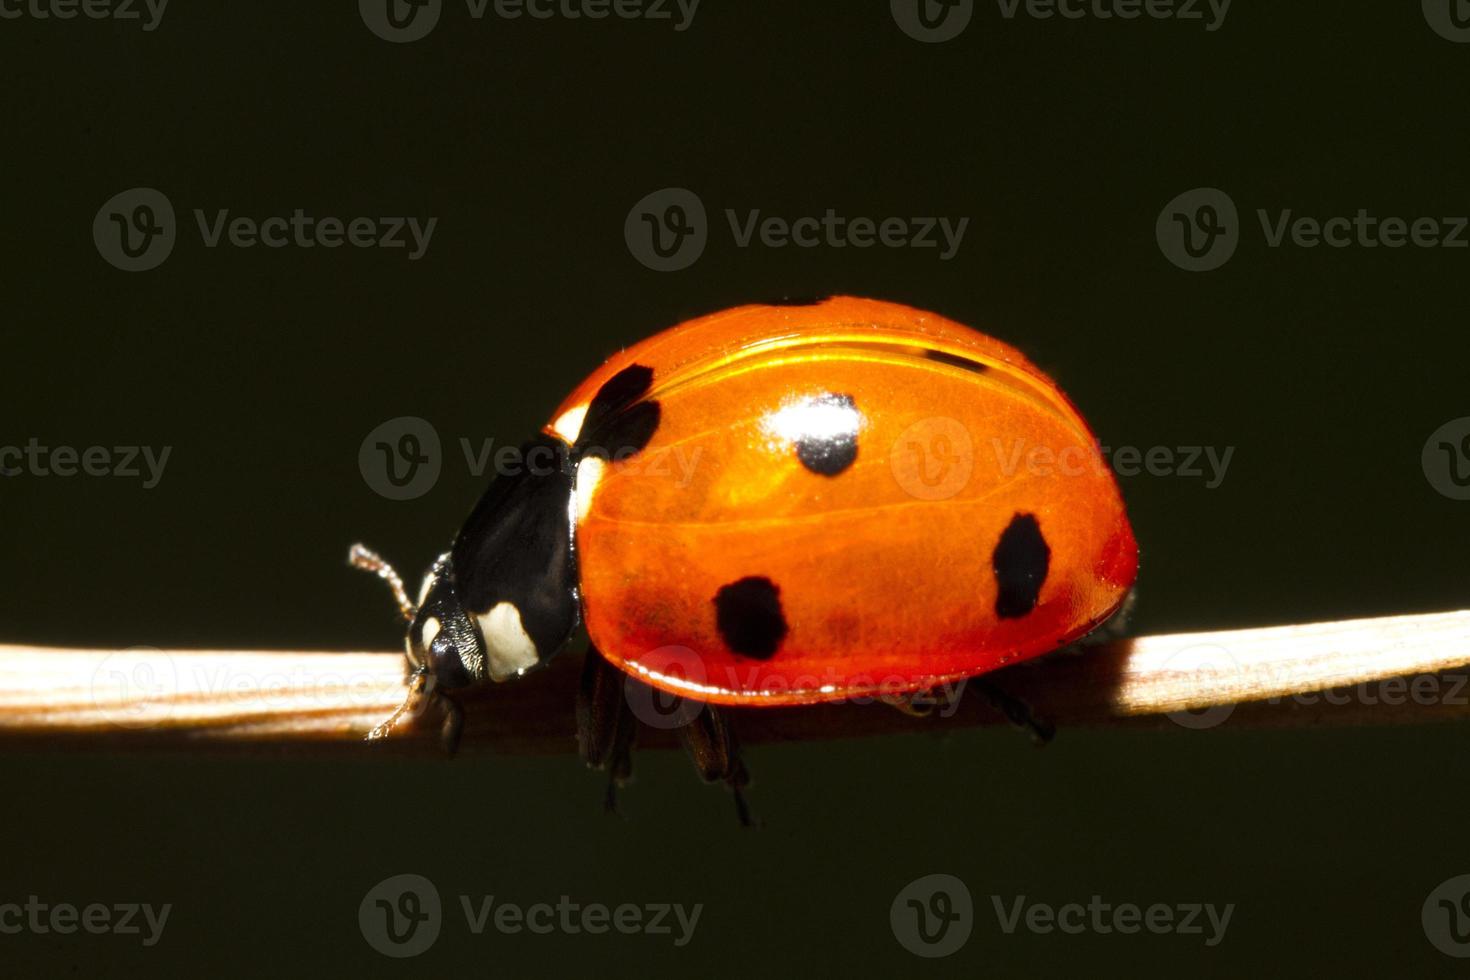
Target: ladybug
[(780, 505)]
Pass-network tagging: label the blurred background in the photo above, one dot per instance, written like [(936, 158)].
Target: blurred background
[(1080, 152)]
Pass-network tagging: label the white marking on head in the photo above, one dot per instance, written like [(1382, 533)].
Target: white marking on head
[(429, 581), (430, 630), (509, 650), (589, 474), (569, 424)]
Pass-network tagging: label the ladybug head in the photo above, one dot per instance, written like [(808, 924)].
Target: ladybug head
[(443, 642), (444, 646)]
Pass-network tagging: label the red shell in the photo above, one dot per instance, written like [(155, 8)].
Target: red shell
[(885, 575)]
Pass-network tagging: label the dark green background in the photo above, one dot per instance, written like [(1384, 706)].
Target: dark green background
[(1061, 141)]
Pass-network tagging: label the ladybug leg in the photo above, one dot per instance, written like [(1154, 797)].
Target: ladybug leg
[(606, 728), (920, 704), (453, 725), (711, 744), (1016, 711)]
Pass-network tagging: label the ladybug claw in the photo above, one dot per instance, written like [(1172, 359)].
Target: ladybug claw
[(1017, 712)]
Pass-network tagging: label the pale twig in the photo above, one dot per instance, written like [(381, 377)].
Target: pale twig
[(154, 698)]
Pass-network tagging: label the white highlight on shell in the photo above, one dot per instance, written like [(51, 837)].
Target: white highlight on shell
[(430, 630), (589, 474), (817, 419), (569, 424), (509, 649)]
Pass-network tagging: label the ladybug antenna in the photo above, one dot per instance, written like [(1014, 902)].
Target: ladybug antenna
[(363, 557), (417, 686)]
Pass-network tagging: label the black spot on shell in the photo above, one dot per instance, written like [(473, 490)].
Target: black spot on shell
[(797, 301), (748, 615), (956, 360), (624, 434), (829, 453), (619, 424), (1020, 560)]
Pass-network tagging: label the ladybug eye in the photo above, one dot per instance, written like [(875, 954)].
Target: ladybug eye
[(443, 648)]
